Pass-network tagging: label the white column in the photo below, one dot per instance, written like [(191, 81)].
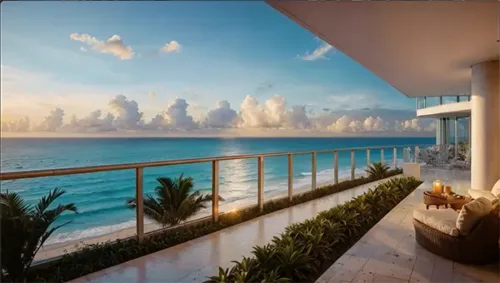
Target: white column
[(485, 125), (456, 138), (438, 131)]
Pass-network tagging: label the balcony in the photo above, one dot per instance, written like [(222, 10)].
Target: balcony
[(443, 106)]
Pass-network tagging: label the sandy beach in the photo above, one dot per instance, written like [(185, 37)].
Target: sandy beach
[(55, 250)]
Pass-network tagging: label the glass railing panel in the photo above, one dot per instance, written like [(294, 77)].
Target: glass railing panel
[(432, 101), (449, 99)]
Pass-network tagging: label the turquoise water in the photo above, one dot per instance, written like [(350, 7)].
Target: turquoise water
[(100, 197)]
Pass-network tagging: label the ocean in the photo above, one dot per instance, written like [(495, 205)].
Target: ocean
[(100, 197)]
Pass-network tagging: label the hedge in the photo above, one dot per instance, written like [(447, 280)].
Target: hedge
[(304, 251)]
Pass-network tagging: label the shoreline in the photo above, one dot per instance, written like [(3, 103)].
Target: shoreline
[(59, 249)]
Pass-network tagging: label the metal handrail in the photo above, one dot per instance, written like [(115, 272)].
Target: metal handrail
[(126, 166), (139, 179)]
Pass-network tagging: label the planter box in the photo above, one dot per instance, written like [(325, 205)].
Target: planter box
[(411, 169)]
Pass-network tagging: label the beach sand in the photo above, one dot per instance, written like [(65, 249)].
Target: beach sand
[(59, 249)]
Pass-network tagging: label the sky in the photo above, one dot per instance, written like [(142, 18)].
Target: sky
[(184, 68)]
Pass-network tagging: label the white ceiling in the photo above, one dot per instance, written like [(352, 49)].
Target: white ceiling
[(420, 48)]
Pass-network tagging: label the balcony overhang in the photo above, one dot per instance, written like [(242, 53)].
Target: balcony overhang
[(420, 48), (459, 109)]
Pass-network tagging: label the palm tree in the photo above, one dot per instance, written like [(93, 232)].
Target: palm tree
[(25, 229), (174, 201), (377, 170)]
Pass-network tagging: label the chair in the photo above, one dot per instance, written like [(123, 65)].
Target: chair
[(479, 247), (492, 195), (464, 164), (427, 157)]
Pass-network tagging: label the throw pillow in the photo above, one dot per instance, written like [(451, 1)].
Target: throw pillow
[(496, 189), (472, 213)]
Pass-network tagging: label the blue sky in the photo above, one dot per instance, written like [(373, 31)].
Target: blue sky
[(227, 51)]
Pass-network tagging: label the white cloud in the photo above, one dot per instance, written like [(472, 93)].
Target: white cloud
[(175, 117), (172, 46), (318, 53), (113, 45), (273, 114), (126, 112), (83, 49), (412, 125), (21, 125), (374, 124), (52, 122), (221, 117), (93, 123)]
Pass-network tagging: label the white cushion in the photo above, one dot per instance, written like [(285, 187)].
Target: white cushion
[(482, 194), (472, 213), (443, 220), (496, 189)]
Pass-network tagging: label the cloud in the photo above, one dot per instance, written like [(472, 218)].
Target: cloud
[(172, 46), (374, 124), (93, 123), (318, 53), (83, 49), (113, 45), (175, 117), (52, 122), (126, 112), (221, 117), (272, 114), (412, 125), (21, 125), (151, 94)]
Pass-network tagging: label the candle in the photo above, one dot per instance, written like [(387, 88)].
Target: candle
[(437, 187)]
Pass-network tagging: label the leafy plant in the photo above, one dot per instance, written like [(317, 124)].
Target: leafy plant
[(25, 229), (174, 201), (378, 170)]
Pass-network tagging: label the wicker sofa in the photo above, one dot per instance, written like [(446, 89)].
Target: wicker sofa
[(481, 246)]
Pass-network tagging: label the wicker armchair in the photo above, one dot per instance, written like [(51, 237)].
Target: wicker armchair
[(481, 246)]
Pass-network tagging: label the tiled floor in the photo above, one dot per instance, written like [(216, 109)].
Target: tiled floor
[(389, 252), (193, 261)]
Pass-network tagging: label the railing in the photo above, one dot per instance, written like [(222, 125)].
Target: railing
[(139, 167), (430, 101)]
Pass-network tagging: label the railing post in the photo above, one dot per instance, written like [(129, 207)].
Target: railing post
[(440, 100), (425, 102), (313, 171), (416, 154), (139, 205), (353, 166), (290, 177), (260, 180), (215, 190), (367, 158), (395, 156), (336, 167), (382, 155)]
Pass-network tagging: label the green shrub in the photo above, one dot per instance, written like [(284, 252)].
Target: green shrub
[(94, 257), (24, 230), (173, 201), (378, 170), (305, 250)]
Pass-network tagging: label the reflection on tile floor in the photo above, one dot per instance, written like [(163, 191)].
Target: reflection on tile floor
[(389, 252), (193, 261)]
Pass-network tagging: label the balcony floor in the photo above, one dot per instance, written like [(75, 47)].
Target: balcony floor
[(389, 252)]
